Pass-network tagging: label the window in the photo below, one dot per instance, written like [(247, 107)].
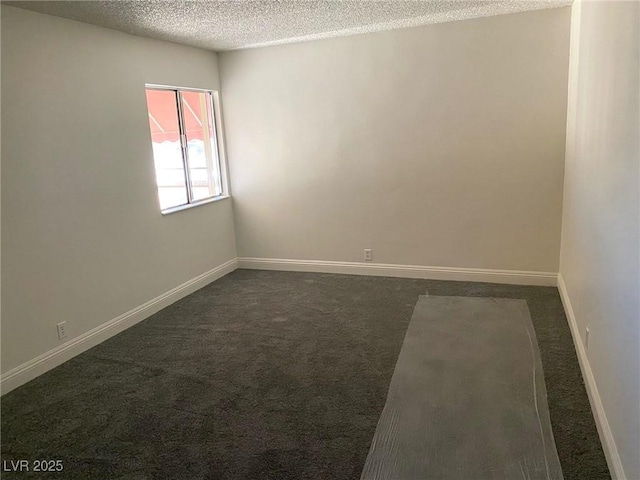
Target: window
[(185, 146)]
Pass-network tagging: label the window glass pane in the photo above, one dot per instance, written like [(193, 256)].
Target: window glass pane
[(201, 145), (167, 152)]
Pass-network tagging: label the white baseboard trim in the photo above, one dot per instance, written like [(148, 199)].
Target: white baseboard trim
[(51, 359), (604, 430), (512, 277)]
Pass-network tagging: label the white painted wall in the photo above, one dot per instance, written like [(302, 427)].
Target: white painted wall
[(83, 240), (440, 145), (600, 254)]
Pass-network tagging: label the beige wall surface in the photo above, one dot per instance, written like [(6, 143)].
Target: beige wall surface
[(83, 240), (600, 254), (440, 145)]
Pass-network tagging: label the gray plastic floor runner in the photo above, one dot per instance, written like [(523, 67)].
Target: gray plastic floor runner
[(467, 398)]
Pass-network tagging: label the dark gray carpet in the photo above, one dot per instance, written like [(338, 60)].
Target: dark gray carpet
[(263, 375)]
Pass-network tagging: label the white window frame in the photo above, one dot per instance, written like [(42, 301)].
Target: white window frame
[(220, 161)]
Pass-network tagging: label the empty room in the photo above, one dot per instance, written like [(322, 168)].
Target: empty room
[(320, 239)]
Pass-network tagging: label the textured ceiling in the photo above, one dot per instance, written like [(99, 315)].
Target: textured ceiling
[(226, 25)]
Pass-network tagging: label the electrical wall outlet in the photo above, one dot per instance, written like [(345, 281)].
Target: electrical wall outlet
[(62, 333), (367, 255), (586, 339)]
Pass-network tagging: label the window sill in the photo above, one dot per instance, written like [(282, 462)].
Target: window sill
[(187, 206)]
